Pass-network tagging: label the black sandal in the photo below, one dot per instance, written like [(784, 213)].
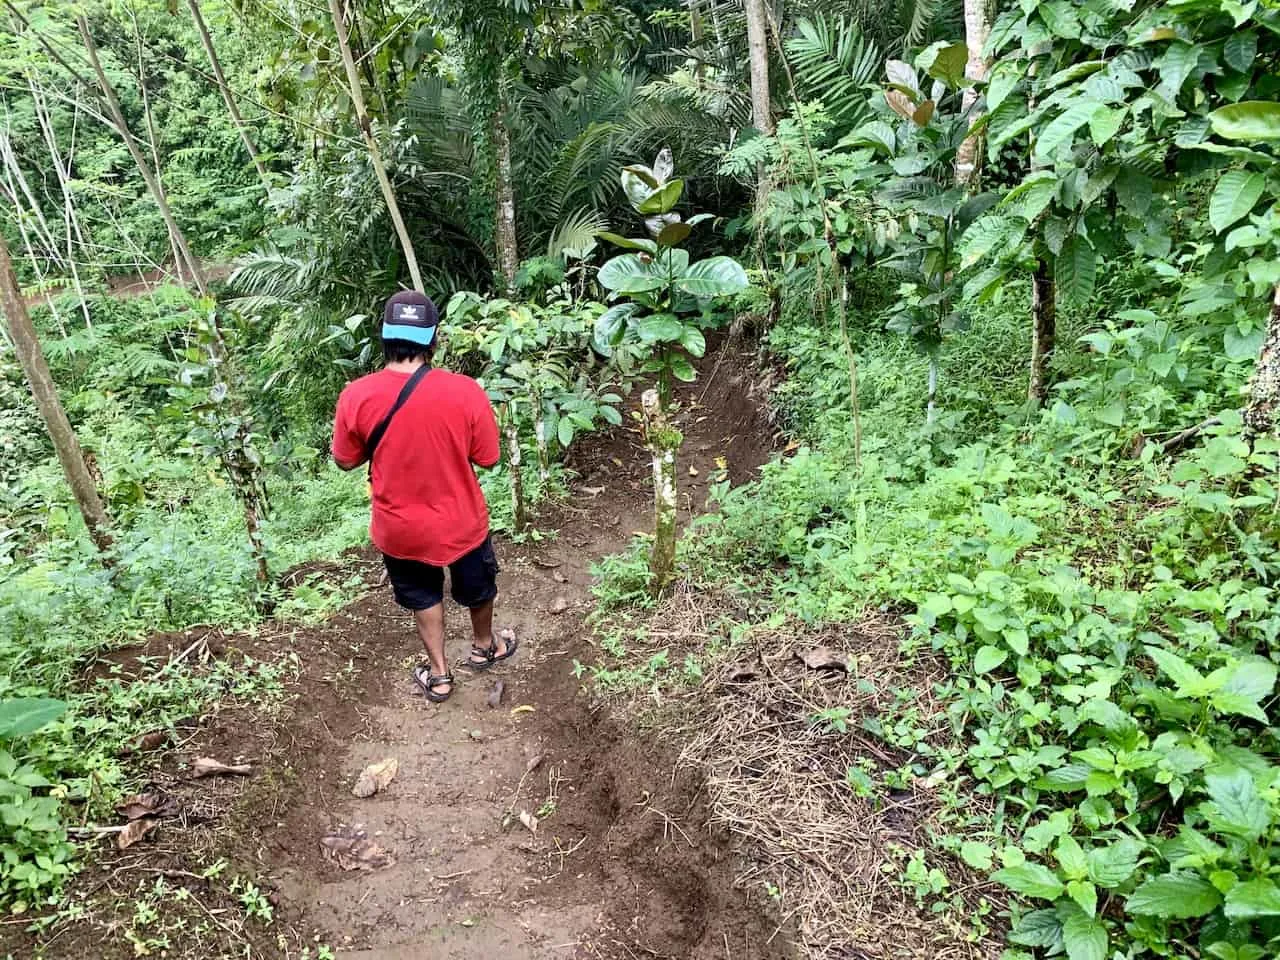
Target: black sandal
[(491, 655), (428, 685)]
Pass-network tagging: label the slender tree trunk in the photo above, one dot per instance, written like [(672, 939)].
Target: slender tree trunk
[(65, 444), (758, 46), (112, 103), (977, 28), (1044, 330), (227, 96), (375, 155), (931, 408), (540, 434), (663, 441), (1262, 413), (520, 518), (505, 228), (695, 34)]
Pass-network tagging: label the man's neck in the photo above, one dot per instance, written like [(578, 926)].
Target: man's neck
[(403, 366)]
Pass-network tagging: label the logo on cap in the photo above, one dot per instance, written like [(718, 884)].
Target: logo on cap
[(408, 311)]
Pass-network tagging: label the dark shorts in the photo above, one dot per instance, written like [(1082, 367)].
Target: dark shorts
[(473, 579)]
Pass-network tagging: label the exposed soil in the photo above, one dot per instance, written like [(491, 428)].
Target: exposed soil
[(622, 864), (127, 285)]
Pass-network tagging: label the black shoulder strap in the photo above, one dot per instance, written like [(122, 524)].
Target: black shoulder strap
[(406, 391)]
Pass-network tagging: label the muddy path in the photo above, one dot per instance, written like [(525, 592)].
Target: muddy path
[(622, 863)]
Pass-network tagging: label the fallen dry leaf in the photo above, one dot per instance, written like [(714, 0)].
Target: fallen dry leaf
[(209, 767), (823, 658), (523, 708), (148, 741), (494, 700), (150, 803), (529, 820), (134, 832), (351, 849), (375, 777), (545, 564), (593, 491), (742, 672)]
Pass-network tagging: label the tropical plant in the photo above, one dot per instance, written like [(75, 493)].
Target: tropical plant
[(668, 298)]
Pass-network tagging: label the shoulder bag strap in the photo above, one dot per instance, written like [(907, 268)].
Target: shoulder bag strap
[(406, 391)]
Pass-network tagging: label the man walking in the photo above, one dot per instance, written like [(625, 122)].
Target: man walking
[(421, 430)]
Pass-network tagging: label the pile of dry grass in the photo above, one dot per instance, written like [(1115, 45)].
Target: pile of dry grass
[(777, 781)]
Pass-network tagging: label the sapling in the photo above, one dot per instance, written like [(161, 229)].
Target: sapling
[(662, 309)]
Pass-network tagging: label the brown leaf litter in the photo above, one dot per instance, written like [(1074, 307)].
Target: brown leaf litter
[(376, 777), (777, 781), (351, 849)]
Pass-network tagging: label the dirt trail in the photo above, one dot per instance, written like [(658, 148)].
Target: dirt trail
[(621, 864)]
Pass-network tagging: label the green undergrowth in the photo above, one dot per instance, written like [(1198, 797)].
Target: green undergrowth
[(1108, 610)]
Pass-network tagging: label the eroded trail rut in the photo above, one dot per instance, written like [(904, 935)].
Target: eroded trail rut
[(621, 863)]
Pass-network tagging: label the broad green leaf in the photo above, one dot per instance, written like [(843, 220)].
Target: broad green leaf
[(1252, 899), (1236, 193), (564, 432), (1071, 858), (714, 277), (673, 233), (1112, 865), (629, 274), (1105, 122), (945, 62), (693, 341), (1075, 270), (1061, 128), (1235, 806), (1250, 120), (1252, 677), (988, 658), (1040, 928), (629, 243), (662, 199), (1240, 49), (1185, 677), (1180, 895), (1031, 880), (1084, 937), (611, 326), (1085, 895), (977, 855), (987, 234), (1175, 66), (1071, 777), (638, 181), (659, 328), (683, 369), (23, 715)]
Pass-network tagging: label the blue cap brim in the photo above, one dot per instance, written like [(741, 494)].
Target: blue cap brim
[(403, 331)]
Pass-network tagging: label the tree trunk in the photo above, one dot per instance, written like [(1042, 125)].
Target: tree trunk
[(663, 441), (931, 409), (375, 155), (758, 45), (519, 515), (505, 228), (112, 103), (1044, 330), (227, 96), (977, 28), (1262, 413), (65, 444), (540, 435)]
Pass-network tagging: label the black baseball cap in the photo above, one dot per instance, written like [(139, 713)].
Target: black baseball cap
[(410, 315)]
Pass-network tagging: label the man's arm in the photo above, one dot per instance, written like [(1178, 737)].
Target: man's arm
[(348, 445), (485, 451)]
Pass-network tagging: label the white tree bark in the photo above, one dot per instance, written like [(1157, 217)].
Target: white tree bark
[(1044, 331), (758, 46), (520, 518), (65, 444), (1262, 414), (375, 155), (977, 28), (505, 225)]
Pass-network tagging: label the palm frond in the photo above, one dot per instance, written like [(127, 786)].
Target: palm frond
[(833, 63), (576, 232)]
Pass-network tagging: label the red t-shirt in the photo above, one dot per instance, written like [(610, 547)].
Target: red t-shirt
[(427, 503)]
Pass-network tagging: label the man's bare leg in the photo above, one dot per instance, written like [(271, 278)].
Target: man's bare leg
[(482, 635), (431, 629)]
